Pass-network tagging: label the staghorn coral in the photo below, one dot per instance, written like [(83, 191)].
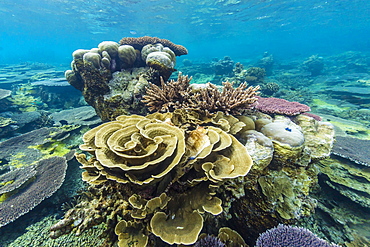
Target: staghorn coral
[(168, 96), (209, 241), (139, 43), (178, 94), (230, 100)]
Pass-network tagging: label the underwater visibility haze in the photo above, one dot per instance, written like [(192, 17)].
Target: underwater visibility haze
[(185, 123)]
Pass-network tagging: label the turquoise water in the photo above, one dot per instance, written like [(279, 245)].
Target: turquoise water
[(314, 52), (49, 31)]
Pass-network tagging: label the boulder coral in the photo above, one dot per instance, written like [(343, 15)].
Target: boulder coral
[(95, 73)]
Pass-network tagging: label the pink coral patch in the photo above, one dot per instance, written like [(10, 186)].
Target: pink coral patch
[(280, 106)]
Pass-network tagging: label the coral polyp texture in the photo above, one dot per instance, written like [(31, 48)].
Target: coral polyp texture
[(139, 43), (284, 235), (281, 106), (113, 76)]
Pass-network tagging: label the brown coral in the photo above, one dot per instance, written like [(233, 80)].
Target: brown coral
[(178, 94), (139, 43), (132, 149), (169, 96)]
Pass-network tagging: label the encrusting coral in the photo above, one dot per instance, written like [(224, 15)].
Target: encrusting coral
[(180, 94)]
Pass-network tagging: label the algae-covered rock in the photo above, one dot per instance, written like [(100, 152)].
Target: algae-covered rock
[(319, 136)]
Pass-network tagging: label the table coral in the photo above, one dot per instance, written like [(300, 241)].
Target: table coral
[(280, 106), (48, 177)]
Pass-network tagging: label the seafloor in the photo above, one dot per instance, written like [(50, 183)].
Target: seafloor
[(36, 96)]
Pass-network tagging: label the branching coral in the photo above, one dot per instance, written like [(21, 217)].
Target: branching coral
[(231, 100), (168, 96), (179, 94)]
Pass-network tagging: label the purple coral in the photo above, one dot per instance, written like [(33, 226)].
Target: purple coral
[(280, 106), (209, 241), (290, 236)]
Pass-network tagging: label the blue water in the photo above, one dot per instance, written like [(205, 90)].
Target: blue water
[(50, 30)]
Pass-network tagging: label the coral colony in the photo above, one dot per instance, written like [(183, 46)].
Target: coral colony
[(182, 163)]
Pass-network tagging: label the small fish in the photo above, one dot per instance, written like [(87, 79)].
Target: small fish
[(288, 129), (133, 32)]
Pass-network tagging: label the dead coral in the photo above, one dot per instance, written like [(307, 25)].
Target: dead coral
[(209, 99), (140, 42)]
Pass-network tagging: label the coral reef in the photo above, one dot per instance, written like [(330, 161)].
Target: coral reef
[(223, 67), (207, 98), (283, 235), (156, 180), (113, 76), (180, 166)]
